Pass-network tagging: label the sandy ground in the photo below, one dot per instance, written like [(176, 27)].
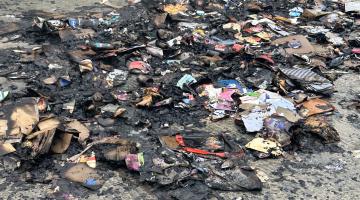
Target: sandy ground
[(18, 6), (324, 175)]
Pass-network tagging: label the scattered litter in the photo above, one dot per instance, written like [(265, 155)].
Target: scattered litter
[(352, 6), (84, 175), (70, 106), (265, 146), (3, 95), (6, 149), (51, 80), (86, 65), (175, 9), (308, 79), (298, 44), (84, 132), (171, 91), (186, 80), (116, 77), (320, 126), (139, 66), (315, 106)]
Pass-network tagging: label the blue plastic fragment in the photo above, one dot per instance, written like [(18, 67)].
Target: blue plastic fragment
[(90, 182), (64, 82), (294, 14)]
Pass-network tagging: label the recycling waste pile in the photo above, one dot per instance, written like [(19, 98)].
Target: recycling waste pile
[(132, 89)]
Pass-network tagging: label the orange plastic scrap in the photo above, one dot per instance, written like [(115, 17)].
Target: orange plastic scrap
[(181, 143), (180, 140), (203, 152), (315, 106)]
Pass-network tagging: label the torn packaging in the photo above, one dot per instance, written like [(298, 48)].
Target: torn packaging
[(70, 106), (164, 167), (277, 128), (116, 77), (320, 126), (20, 118), (6, 149), (308, 79), (115, 152), (50, 123), (186, 80), (109, 148), (288, 114), (44, 126), (181, 158), (61, 142), (86, 65), (3, 95), (265, 146), (315, 106), (234, 84), (25, 117), (134, 161), (41, 140), (262, 105), (146, 101), (202, 144), (84, 132)]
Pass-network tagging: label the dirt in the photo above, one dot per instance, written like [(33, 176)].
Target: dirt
[(324, 172)]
